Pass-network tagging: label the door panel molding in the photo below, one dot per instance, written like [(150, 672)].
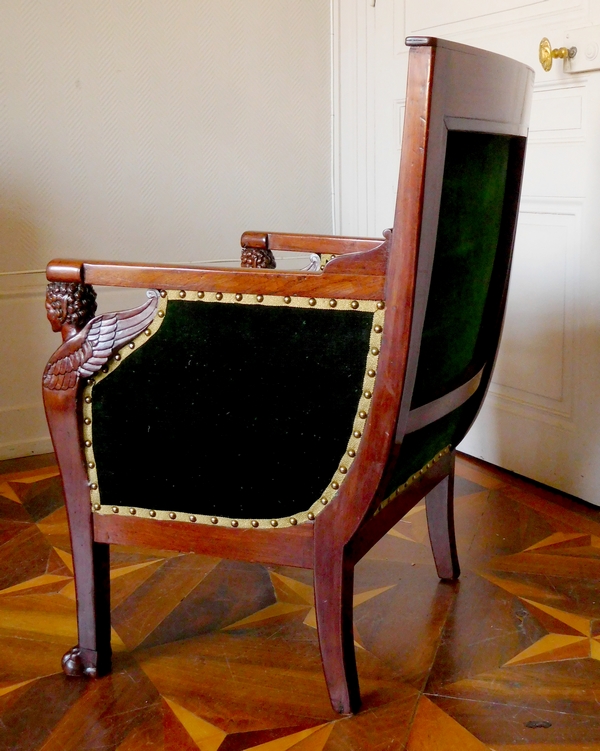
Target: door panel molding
[(534, 375)]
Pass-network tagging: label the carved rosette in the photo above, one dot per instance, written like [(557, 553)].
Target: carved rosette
[(257, 258)]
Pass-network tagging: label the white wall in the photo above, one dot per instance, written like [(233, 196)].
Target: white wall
[(156, 130)]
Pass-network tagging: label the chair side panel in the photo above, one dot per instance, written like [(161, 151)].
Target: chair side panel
[(236, 411)]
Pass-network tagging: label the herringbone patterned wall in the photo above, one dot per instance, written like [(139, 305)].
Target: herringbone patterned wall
[(159, 130)]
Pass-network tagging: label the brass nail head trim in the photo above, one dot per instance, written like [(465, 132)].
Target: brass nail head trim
[(335, 485), (182, 293), (354, 304), (117, 357), (172, 515), (312, 302), (88, 443), (147, 332), (115, 509), (259, 298), (254, 523), (287, 299), (132, 344), (351, 452), (132, 511), (273, 522), (367, 394), (214, 520), (200, 295), (192, 518), (371, 373), (343, 470), (152, 513), (293, 521), (375, 351), (357, 434), (380, 305), (91, 465), (87, 421), (362, 414), (324, 501), (239, 297), (88, 399), (97, 506), (378, 329), (332, 303), (311, 516), (163, 293), (219, 295), (94, 486), (161, 314), (234, 522)]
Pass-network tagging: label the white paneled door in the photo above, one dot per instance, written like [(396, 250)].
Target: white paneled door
[(542, 415)]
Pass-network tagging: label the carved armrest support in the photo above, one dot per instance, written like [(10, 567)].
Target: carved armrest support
[(88, 341)]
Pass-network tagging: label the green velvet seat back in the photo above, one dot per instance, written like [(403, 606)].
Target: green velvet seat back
[(236, 410), (468, 276)]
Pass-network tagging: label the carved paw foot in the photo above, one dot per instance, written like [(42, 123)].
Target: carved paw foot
[(83, 662)]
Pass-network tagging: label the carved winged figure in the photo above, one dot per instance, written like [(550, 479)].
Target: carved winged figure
[(88, 344)]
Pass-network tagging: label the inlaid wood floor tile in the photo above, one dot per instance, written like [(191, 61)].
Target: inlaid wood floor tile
[(9, 529), (27, 659), (55, 529), (11, 510), (498, 724), (23, 557), (124, 581), (434, 730), (40, 498), (229, 591), (156, 598), (30, 720), (106, 712), (222, 656), (383, 728), (405, 638)]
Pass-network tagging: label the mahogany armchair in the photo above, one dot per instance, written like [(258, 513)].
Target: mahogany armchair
[(198, 421)]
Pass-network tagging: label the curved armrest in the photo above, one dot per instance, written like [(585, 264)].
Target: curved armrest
[(330, 244), (353, 281)]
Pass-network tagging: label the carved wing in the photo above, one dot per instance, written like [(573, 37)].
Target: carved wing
[(90, 349)]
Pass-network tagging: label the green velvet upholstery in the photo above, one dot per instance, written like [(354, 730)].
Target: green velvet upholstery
[(240, 411), (462, 293)]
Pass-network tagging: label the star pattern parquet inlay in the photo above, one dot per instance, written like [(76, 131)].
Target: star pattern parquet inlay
[(220, 655)]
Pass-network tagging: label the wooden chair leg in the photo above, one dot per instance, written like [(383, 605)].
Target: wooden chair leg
[(92, 655), (440, 521), (334, 589)]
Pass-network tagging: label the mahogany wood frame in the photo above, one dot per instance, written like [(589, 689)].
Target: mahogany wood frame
[(449, 85)]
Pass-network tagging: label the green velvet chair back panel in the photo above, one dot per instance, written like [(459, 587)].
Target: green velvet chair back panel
[(231, 410), (468, 278), (470, 219)]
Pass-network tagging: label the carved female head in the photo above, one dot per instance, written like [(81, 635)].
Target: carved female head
[(70, 303)]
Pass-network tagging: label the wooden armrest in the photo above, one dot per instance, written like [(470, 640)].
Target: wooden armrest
[(345, 283), (330, 244)]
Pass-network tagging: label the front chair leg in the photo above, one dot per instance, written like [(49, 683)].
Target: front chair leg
[(334, 585), (92, 655), (439, 504)]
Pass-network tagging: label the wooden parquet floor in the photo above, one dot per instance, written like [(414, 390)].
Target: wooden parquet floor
[(213, 654)]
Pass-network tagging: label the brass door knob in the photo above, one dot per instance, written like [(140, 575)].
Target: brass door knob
[(547, 54)]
